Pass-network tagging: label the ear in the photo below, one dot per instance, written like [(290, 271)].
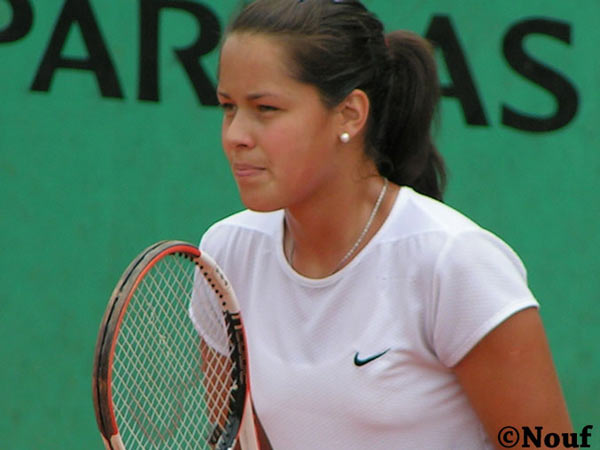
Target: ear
[(354, 112)]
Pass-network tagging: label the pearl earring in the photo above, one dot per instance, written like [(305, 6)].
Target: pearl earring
[(345, 138)]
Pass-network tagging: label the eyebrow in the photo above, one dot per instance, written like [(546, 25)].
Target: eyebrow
[(253, 96)]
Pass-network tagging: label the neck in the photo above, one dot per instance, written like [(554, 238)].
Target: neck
[(323, 237)]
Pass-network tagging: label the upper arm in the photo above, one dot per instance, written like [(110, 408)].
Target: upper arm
[(510, 380)]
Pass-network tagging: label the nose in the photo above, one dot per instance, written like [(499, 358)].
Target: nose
[(237, 132)]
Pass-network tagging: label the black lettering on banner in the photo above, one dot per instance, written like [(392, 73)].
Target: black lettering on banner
[(98, 61), (441, 34), (559, 86), (208, 39), (22, 20)]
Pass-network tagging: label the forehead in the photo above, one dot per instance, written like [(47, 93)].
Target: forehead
[(249, 45), (248, 58)]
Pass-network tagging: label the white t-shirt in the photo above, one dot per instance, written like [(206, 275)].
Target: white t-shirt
[(362, 359)]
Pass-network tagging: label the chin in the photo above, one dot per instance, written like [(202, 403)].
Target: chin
[(259, 203)]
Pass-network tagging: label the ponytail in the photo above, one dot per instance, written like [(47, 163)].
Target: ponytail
[(339, 46), (405, 151)]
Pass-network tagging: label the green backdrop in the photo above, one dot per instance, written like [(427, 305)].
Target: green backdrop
[(108, 143)]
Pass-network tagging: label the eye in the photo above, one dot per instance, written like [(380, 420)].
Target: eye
[(228, 109), (226, 106), (267, 108)]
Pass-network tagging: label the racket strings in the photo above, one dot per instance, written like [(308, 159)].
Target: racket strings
[(155, 401), (170, 387)]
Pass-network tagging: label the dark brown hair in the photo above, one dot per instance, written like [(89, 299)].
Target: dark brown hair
[(338, 46)]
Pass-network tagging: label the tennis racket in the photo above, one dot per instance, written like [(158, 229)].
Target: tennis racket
[(170, 366)]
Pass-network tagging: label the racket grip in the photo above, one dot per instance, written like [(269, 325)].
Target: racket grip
[(248, 438), (116, 443)]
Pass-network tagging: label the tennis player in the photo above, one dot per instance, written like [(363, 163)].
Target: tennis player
[(377, 316)]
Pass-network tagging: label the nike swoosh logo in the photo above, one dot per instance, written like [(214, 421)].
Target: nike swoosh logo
[(362, 361)]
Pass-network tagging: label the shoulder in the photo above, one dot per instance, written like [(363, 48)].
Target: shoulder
[(442, 238), (473, 279), (418, 214), (245, 225), (424, 227), (253, 221)]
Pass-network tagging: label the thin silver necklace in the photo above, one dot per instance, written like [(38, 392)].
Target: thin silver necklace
[(362, 234)]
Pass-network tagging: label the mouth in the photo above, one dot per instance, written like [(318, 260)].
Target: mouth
[(242, 170)]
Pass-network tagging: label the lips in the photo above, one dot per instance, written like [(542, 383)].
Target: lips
[(244, 170)]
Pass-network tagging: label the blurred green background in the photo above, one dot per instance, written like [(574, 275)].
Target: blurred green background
[(89, 179)]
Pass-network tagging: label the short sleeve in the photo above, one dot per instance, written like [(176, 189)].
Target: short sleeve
[(478, 283)]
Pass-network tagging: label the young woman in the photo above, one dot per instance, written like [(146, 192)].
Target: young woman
[(377, 317)]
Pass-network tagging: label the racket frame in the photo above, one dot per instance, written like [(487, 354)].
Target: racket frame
[(240, 421)]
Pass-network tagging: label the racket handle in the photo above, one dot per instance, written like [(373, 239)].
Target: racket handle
[(248, 437), (115, 442)]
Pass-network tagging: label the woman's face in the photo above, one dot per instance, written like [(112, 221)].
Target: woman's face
[(280, 139)]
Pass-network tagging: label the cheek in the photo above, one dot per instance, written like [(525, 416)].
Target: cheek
[(290, 156), (282, 144), (298, 138), (284, 132)]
